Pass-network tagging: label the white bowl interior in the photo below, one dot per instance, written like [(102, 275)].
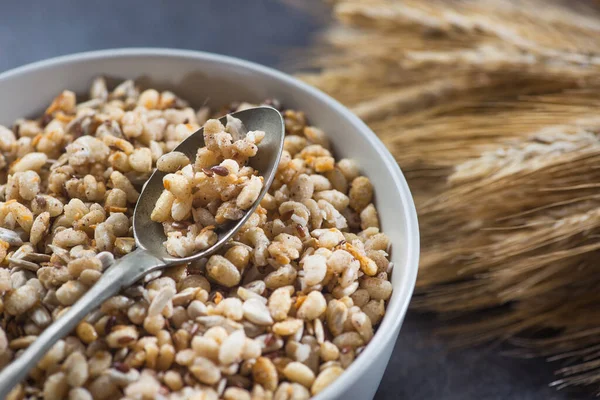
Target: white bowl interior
[(216, 80)]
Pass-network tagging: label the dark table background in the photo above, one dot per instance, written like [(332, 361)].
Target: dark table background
[(422, 366)]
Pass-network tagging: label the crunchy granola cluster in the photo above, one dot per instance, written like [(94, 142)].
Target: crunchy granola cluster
[(279, 313), (216, 189)]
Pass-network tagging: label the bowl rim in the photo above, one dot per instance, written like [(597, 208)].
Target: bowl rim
[(399, 305)]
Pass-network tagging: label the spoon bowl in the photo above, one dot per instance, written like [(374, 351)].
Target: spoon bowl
[(151, 255), (149, 235)]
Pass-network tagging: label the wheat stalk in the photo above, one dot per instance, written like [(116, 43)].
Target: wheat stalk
[(490, 108)]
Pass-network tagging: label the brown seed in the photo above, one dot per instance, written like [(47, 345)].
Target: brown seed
[(207, 172), (220, 170), (41, 201), (45, 120), (121, 367), (125, 340), (179, 225), (77, 130), (287, 215), (269, 339), (110, 323)]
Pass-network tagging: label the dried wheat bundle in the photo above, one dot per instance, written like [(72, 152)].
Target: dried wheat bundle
[(491, 109)]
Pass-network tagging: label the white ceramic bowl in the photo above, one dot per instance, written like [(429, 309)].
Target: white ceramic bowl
[(202, 77)]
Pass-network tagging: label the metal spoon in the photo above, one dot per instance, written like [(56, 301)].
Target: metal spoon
[(150, 254)]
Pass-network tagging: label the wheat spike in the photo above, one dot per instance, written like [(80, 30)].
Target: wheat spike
[(491, 109)]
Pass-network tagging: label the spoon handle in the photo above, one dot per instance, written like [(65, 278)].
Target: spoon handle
[(121, 274)]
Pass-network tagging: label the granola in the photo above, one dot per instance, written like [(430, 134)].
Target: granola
[(217, 188), (280, 312)]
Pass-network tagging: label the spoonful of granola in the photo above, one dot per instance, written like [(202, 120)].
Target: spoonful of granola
[(200, 195)]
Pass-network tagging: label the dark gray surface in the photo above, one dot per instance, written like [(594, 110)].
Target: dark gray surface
[(258, 30), (424, 367)]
